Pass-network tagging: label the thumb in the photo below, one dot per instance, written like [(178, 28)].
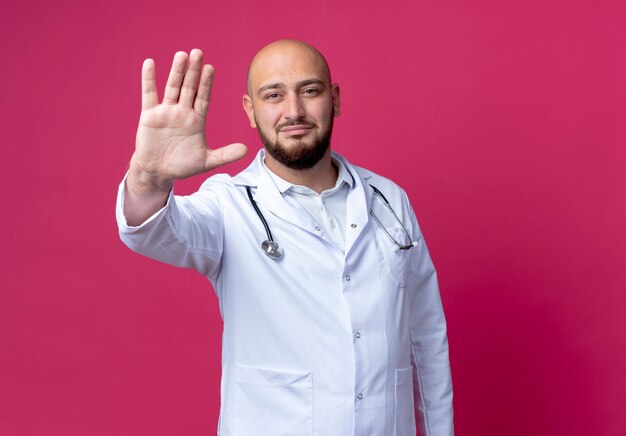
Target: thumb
[(224, 155)]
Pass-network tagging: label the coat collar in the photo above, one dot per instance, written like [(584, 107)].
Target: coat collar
[(257, 172), (267, 194)]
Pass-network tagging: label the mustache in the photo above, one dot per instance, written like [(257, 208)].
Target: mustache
[(296, 123)]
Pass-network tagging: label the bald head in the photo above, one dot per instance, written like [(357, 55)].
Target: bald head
[(284, 55), (292, 103)]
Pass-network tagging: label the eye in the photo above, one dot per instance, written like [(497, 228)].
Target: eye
[(311, 91), (272, 96)]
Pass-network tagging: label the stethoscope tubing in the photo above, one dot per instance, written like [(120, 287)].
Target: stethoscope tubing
[(398, 220), (272, 249), (258, 212)]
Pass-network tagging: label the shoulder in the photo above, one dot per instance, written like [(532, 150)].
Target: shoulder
[(376, 179), (220, 189), (217, 181), (226, 183), (213, 193), (386, 186), (390, 190)]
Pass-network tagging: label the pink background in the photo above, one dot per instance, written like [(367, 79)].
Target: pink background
[(504, 120)]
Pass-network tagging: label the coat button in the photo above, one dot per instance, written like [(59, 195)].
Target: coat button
[(360, 396), (353, 225)]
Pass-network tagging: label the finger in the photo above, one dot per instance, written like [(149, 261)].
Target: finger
[(225, 155), (190, 82), (203, 96), (175, 79), (149, 95)]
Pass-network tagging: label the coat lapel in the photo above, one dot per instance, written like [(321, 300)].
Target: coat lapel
[(357, 205), (269, 198)]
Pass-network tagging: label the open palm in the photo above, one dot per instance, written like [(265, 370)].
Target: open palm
[(171, 138)]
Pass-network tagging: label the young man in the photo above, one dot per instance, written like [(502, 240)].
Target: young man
[(333, 323)]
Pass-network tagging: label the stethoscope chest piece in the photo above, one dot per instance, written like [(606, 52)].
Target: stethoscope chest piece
[(272, 249), (269, 246)]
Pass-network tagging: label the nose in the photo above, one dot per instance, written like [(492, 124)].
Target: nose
[(294, 109)]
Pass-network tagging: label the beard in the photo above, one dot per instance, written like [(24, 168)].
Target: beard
[(300, 155)]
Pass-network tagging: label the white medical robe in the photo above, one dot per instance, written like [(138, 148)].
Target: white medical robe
[(321, 342)]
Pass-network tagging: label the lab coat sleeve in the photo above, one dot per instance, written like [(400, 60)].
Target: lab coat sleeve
[(187, 232), (432, 382)]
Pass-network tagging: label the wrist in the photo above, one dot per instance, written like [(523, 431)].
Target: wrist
[(143, 183)]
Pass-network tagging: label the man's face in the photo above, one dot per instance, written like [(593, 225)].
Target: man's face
[(292, 104)]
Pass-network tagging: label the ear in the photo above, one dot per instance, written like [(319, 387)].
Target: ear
[(247, 106), (334, 92)]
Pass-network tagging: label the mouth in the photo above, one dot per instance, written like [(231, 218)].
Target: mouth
[(296, 130)]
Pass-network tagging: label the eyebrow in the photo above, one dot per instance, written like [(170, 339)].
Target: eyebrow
[(279, 85)]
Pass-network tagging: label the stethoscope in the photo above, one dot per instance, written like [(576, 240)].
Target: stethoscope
[(271, 248)]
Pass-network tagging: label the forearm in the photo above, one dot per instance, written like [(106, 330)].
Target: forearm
[(429, 353), (432, 381), (184, 231)]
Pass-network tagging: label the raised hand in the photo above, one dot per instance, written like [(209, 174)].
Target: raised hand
[(171, 138)]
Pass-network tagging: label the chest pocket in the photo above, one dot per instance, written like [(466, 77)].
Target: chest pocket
[(398, 263)]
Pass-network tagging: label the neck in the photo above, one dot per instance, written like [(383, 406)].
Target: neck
[(319, 178)]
